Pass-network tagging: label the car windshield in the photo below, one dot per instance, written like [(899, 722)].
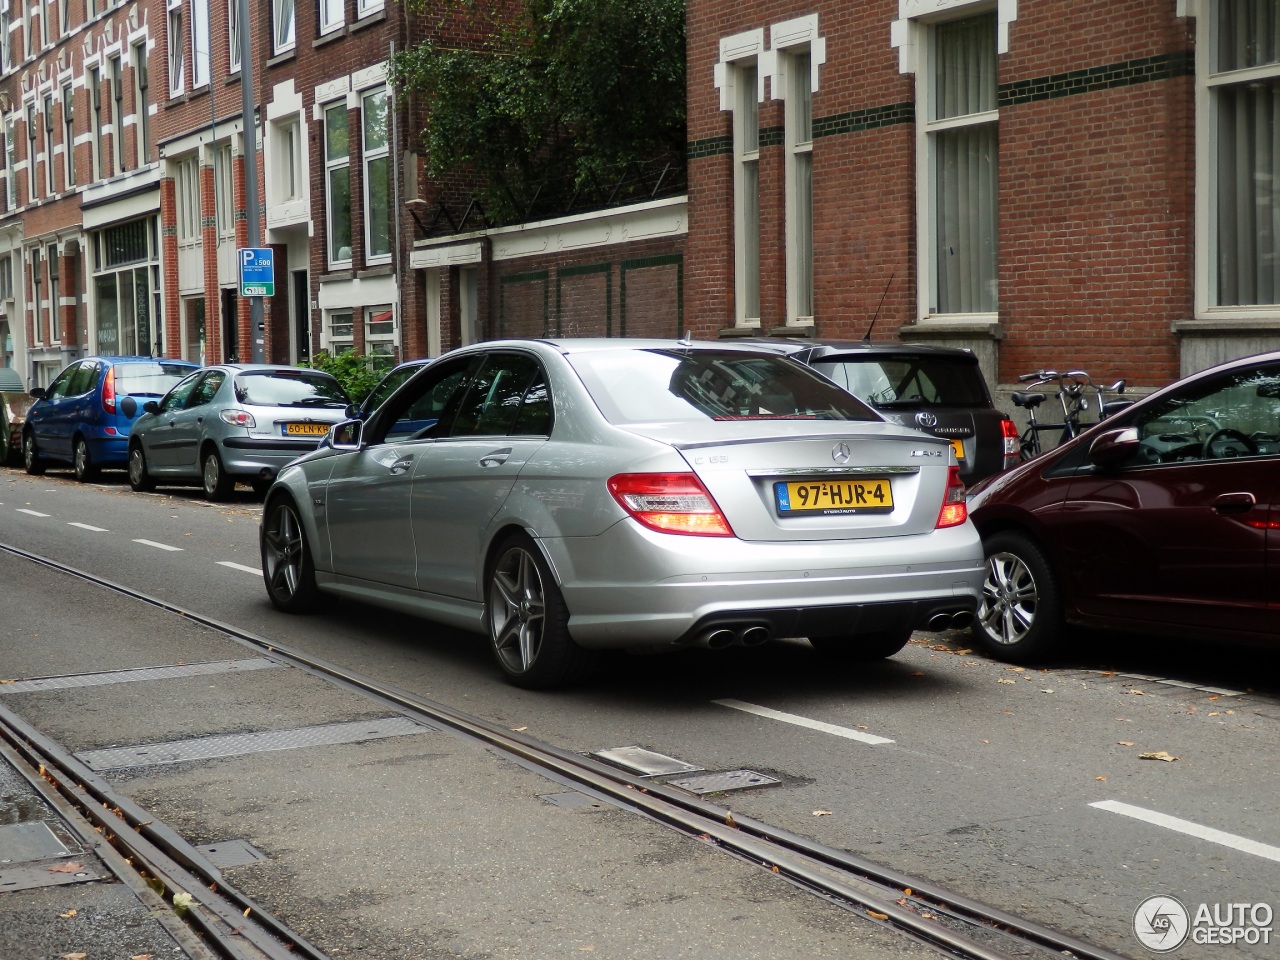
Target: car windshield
[(888, 381), (289, 388), (646, 386), (148, 379)]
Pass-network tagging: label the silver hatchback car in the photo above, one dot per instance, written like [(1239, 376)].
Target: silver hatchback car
[(233, 422), (564, 497)]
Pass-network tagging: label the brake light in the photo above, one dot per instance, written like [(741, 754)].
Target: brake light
[(955, 510), (109, 391), (670, 503), (1012, 442), (238, 418)]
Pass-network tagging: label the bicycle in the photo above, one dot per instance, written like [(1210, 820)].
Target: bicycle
[(1072, 391)]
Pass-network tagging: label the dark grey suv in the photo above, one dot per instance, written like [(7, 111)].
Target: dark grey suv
[(939, 390)]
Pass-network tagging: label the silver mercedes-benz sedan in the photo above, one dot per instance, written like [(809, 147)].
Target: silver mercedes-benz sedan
[(563, 497)]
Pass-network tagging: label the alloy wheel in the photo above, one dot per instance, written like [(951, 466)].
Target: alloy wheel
[(1009, 599), (517, 610), (282, 553)]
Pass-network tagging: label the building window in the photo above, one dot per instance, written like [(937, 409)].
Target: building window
[(746, 192), (339, 332), (176, 51), (6, 50), (282, 26), (11, 163), (32, 192), (95, 122), (200, 53), (287, 163), (377, 177), (116, 77), (223, 184), (337, 183), (6, 277), (64, 9), (44, 23), (959, 179), (233, 36), (69, 135), (798, 124), (186, 184), (1244, 154), (142, 102), (47, 106), (55, 323), (37, 287), (125, 288), (332, 15), (366, 7), (380, 337)]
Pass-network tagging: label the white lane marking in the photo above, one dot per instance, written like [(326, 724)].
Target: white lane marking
[(34, 513), (158, 546), (819, 725), (239, 566), (1243, 844), (88, 526)]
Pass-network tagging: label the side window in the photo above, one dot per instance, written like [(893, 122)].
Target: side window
[(84, 378), (496, 397), (426, 407), (58, 389), (176, 399), (206, 388), (534, 418), (1233, 416)]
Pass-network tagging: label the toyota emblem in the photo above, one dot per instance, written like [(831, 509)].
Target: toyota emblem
[(840, 453), (926, 420)]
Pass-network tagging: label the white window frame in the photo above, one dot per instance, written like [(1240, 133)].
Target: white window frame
[(29, 113), (44, 23), (338, 344), (186, 192), (367, 157), (286, 162), (233, 36), (93, 87), (46, 109), (11, 162), (115, 77), (52, 278), (37, 287), (64, 12), (333, 15), (384, 343), (67, 95), (1208, 83), (793, 42), (284, 25), (175, 54), (741, 57), (330, 166), (224, 192), (201, 50), (141, 102), (6, 48), (366, 8)]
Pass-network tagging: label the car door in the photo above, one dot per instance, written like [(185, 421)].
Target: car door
[(161, 441), (46, 416), (367, 501), (463, 478), (186, 427), (1179, 534), (69, 398)]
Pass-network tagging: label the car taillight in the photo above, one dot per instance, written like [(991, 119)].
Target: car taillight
[(109, 391), (1012, 442), (238, 418), (954, 508), (670, 503)]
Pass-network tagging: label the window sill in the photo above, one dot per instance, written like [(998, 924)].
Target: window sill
[(369, 19), (283, 57), (732, 333), (792, 330), (377, 270), (953, 329), (330, 37), (337, 274), (1239, 325)]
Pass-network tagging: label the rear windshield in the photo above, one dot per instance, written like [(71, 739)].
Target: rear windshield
[(148, 379), (889, 381), (289, 388), (648, 386)]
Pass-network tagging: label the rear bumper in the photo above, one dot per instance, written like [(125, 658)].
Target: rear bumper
[(253, 457)]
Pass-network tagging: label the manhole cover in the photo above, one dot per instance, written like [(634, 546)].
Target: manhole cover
[(724, 782), (232, 853)]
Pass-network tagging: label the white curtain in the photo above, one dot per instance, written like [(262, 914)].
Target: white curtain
[(1247, 118), (964, 83)]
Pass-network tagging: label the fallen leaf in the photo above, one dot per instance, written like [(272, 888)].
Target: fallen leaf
[(1006, 680), (728, 818), (1046, 691), (863, 726), (907, 892), (74, 956), (1136, 693), (1125, 743), (5, 681), (1231, 713), (522, 730), (877, 916), (963, 652), (71, 867), (1213, 713), (1215, 697), (183, 901), (1123, 720), (918, 673), (1018, 669), (1007, 713), (822, 813), (1100, 779), (927, 916), (1158, 755), (1108, 673), (587, 948), (986, 741), (141, 956), (776, 869), (69, 913), (246, 910)]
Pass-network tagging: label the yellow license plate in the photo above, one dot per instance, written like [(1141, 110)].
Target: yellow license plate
[(958, 447), (834, 496), (306, 429)]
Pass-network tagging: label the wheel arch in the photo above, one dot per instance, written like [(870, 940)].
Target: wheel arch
[(500, 536), (320, 553)]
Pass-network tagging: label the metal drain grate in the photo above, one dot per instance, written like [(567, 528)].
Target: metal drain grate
[(232, 853), (237, 744), (724, 782), (140, 673), (33, 840)]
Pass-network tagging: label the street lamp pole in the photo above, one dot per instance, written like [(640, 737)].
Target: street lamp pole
[(256, 324)]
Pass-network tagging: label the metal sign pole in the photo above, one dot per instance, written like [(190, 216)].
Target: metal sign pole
[(256, 323)]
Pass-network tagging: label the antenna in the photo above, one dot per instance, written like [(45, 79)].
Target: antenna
[(687, 339), (866, 337)]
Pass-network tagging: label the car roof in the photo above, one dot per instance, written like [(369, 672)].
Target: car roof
[(826, 346), (110, 358), (265, 368)]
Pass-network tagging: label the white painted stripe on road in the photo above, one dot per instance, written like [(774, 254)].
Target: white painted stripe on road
[(158, 546), (819, 725), (34, 513), (240, 566), (88, 526), (1243, 844)]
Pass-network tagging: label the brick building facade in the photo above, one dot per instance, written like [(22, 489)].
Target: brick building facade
[(1050, 183)]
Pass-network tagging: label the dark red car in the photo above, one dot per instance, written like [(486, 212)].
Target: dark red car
[(1164, 517)]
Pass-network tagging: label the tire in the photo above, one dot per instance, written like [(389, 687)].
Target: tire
[(1020, 616), (260, 487), (214, 479), (31, 455), (861, 648), (527, 620), (139, 479), (82, 464), (287, 568)]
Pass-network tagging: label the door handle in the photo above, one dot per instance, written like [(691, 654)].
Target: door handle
[(495, 459), (401, 466), (1234, 503)]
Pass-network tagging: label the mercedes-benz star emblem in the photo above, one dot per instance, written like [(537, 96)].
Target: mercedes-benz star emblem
[(840, 453), (926, 419)]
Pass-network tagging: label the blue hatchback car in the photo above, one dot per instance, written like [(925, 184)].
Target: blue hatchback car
[(84, 416)]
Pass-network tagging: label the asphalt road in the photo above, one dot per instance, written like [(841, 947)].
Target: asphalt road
[(1023, 788)]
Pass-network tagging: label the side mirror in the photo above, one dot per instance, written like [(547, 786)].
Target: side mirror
[(347, 435), (37, 393), (353, 410), (1114, 446), (151, 406)]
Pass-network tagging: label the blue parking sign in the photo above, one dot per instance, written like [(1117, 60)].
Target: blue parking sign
[(257, 272)]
